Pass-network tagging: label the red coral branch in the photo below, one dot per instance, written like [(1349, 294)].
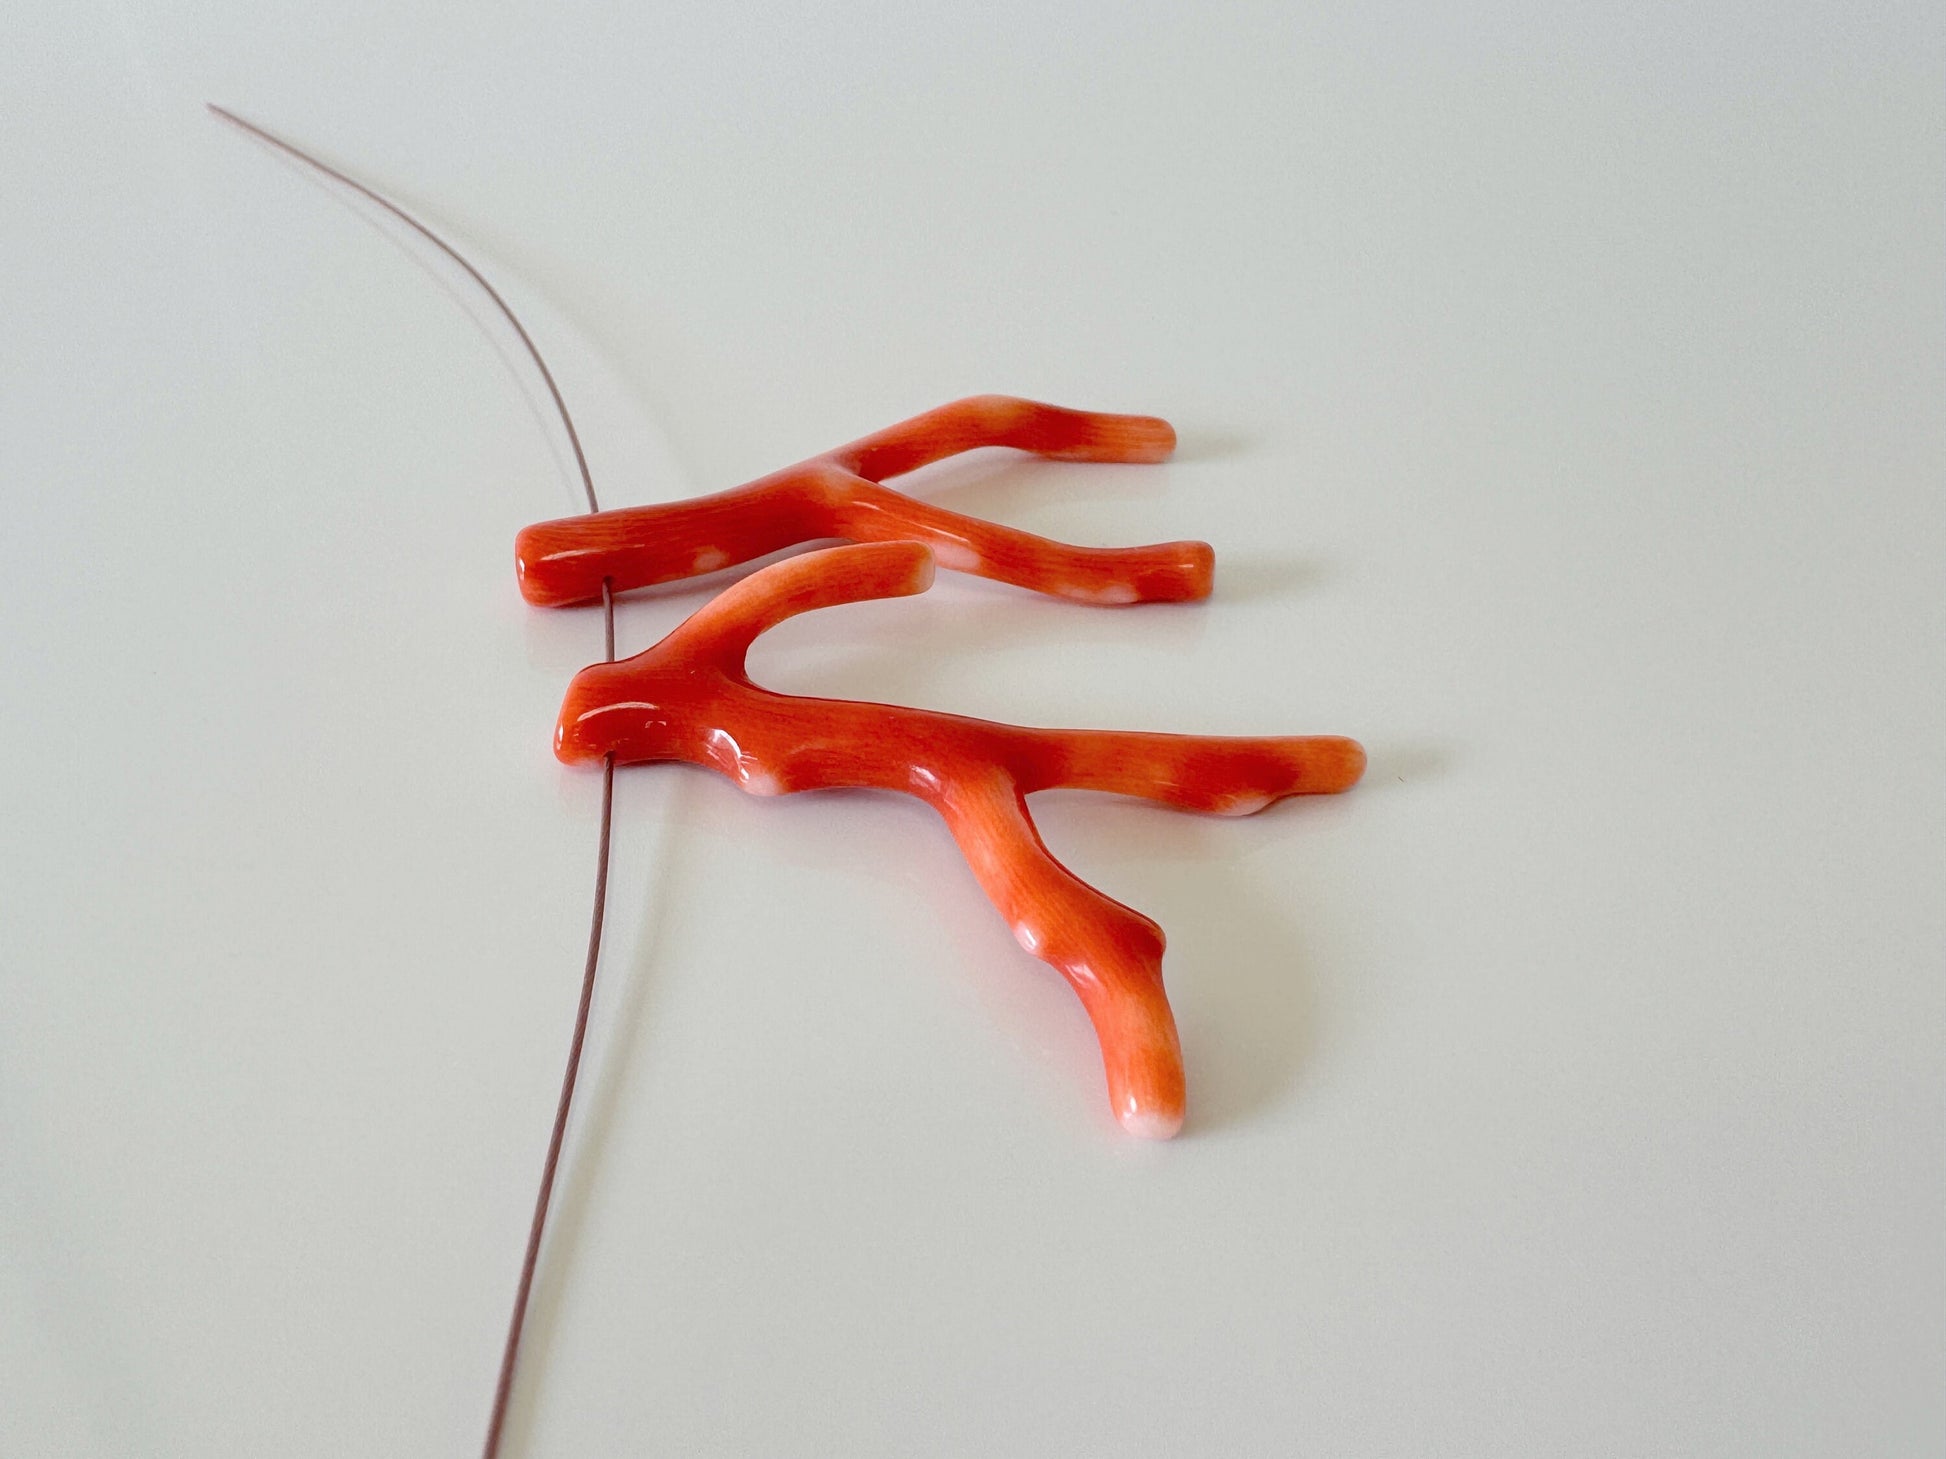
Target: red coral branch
[(689, 698), (838, 495)]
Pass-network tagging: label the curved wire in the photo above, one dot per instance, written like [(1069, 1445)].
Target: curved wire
[(503, 1387), (533, 353)]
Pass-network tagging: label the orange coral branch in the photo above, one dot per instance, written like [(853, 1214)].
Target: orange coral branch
[(689, 698), (838, 495)]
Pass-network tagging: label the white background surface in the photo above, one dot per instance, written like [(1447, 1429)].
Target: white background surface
[(1560, 387)]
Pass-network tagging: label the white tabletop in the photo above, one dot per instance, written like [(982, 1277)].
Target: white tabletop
[(1561, 390)]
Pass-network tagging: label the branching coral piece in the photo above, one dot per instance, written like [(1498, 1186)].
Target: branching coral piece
[(839, 495), (689, 698)]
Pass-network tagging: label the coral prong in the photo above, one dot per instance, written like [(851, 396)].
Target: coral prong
[(690, 698), (840, 494)]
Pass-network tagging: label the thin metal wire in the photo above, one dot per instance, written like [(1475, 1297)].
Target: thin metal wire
[(510, 1354), (560, 405)]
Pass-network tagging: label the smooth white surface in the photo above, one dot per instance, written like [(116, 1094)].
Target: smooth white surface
[(1561, 389)]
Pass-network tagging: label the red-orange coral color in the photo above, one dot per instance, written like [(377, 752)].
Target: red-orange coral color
[(838, 495), (689, 698)]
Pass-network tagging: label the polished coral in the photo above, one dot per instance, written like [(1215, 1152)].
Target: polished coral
[(689, 698), (839, 495)]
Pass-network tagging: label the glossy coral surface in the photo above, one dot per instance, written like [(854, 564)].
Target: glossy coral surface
[(689, 698), (839, 494)]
